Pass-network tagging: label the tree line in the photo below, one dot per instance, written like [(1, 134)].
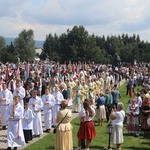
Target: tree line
[(77, 45)]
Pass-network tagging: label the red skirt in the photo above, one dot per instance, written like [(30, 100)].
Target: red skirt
[(86, 130)]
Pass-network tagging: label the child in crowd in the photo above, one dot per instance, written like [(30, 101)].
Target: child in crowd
[(27, 123)]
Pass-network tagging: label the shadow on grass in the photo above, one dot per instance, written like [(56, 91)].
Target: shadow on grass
[(143, 137), (135, 148), (77, 124), (126, 134), (91, 147), (96, 147), (148, 143), (96, 124)]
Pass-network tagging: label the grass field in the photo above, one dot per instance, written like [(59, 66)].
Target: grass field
[(101, 139)]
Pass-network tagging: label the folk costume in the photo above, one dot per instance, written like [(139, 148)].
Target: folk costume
[(87, 129), (133, 119), (144, 114)]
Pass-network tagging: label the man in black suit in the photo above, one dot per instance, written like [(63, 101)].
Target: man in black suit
[(64, 91)]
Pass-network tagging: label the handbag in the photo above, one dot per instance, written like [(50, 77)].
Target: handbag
[(54, 131)]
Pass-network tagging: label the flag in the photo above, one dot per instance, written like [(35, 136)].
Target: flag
[(65, 67), (49, 70), (18, 73), (26, 72), (58, 65), (7, 73)]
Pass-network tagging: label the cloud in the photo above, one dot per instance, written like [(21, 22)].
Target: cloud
[(56, 16)]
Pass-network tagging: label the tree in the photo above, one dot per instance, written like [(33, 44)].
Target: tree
[(51, 46), (64, 47), (2, 42), (78, 41), (2, 46), (78, 45), (25, 45)]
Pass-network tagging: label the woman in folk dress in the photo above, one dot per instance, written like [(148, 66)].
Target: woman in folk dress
[(133, 118)]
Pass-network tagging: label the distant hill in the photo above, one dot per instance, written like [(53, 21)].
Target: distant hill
[(38, 44)]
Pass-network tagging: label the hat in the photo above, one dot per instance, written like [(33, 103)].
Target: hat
[(147, 95)]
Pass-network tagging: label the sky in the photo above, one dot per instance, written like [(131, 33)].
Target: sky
[(99, 17)]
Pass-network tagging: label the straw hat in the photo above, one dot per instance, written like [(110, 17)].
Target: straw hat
[(147, 95)]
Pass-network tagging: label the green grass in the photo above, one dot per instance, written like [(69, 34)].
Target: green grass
[(101, 139)]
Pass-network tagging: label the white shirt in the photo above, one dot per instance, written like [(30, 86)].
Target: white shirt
[(82, 113), (119, 117)]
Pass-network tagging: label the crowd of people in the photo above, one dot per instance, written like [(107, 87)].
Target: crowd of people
[(28, 88)]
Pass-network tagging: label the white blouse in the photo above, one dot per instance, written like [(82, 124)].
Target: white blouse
[(82, 113)]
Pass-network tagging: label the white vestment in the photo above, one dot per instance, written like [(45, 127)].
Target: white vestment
[(48, 109), (21, 94), (4, 104), (28, 122), (15, 136), (37, 122), (58, 99)]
